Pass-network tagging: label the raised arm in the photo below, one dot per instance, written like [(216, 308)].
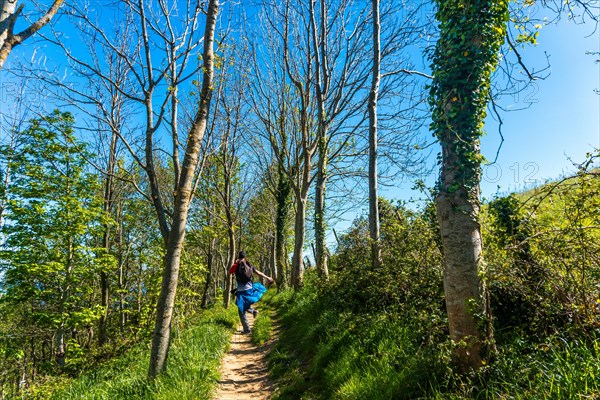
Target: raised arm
[(263, 275)]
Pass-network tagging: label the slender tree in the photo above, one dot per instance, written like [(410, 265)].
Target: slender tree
[(373, 181), (153, 30), (176, 235)]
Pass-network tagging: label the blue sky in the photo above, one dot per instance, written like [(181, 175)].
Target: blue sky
[(563, 120), (555, 120)]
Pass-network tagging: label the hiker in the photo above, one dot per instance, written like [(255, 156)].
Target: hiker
[(247, 292)]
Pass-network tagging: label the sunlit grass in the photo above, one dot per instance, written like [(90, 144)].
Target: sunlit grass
[(192, 371), (263, 328), (327, 354)]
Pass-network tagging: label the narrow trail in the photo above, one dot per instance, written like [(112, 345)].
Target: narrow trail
[(244, 373)]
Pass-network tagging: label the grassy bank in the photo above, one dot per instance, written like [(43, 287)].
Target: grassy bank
[(366, 334), (192, 373), (324, 354)]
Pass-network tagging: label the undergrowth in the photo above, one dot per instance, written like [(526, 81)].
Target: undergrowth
[(323, 354), (382, 334), (192, 370), (263, 327)]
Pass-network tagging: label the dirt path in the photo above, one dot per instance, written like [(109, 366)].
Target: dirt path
[(244, 373)]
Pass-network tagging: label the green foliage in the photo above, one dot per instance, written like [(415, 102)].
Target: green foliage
[(367, 334), (464, 59), (192, 372), (540, 249), (49, 261), (556, 369), (325, 354), (262, 329), (382, 334), (411, 269)]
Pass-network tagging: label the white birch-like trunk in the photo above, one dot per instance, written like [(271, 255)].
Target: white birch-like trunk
[(373, 181)]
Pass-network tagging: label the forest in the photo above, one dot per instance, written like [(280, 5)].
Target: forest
[(145, 143)]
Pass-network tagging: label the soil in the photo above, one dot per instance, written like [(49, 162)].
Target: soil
[(244, 373)]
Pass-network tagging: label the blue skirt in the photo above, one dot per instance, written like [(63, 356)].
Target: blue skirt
[(246, 298)]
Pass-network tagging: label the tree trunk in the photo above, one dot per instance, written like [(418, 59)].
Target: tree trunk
[(206, 296), (7, 21), (104, 304), (107, 207), (64, 296), (373, 179), (121, 284), (320, 244), (272, 258), (166, 300), (230, 261), (321, 89), (299, 228), (283, 207), (462, 66), (461, 240), (176, 235)]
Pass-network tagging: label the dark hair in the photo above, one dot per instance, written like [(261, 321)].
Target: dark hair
[(242, 254)]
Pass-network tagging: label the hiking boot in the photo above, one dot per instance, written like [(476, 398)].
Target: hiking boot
[(254, 313), (246, 332)]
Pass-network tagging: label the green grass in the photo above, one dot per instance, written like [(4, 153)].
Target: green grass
[(263, 328), (192, 371), (555, 371), (327, 354)]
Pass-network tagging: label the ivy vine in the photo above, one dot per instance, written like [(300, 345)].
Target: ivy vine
[(465, 56)]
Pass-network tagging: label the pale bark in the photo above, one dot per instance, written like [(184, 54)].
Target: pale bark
[(461, 239), (230, 261), (9, 12), (288, 124), (322, 87), (460, 92), (162, 329), (304, 162), (373, 178), (299, 230)]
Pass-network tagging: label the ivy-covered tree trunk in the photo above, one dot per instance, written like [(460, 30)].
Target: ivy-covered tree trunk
[(321, 184), (322, 85), (471, 33), (282, 195)]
